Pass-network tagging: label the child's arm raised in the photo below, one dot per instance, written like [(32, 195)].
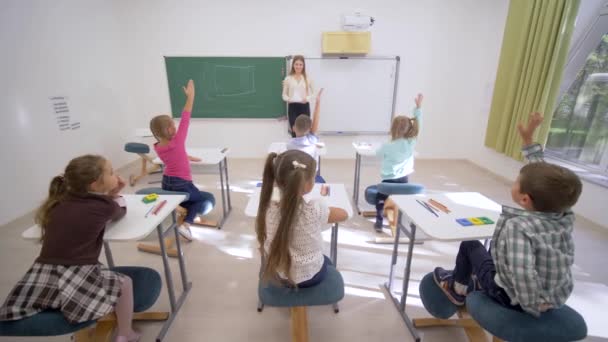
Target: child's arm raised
[(418, 109), (532, 151), (316, 113), (184, 121)]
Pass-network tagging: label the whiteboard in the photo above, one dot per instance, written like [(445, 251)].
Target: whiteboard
[(358, 96)]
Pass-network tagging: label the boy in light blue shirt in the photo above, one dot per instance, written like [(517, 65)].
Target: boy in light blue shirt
[(306, 139), (398, 154)]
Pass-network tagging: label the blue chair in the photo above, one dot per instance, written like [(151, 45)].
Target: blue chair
[(142, 150), (390, 189), (329, 291), (563, 324), (146, 289)]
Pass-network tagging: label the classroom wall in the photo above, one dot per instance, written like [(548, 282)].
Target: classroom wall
[(57, 48), (449, 51)]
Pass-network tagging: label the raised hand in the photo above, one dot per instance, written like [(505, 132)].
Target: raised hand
[(189, 89), (526, 133), (418, 100)]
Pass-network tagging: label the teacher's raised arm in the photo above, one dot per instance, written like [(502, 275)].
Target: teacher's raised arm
[(297, 90)]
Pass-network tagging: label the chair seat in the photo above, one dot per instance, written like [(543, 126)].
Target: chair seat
[(146, 289), (329, 291), (134, 147), (391, 189), (434, 300), (563, 324)]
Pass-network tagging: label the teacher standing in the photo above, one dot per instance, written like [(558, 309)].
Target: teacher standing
[(297, 91)]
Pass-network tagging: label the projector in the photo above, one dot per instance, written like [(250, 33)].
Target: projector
[(356, 22)]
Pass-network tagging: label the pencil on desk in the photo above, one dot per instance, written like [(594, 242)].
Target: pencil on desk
[(160, 206), (439, 205), (427, 207), (151, 208)]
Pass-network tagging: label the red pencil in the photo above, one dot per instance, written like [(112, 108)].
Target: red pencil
[(160, 206)]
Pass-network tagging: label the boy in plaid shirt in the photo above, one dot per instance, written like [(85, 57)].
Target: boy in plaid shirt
[(532, 251)]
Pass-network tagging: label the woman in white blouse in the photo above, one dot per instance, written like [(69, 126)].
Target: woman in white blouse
[(297, 91)]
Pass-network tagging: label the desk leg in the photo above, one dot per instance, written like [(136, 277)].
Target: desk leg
[(227, 184), (180, 255), (174, 304), (400, 305), (223, 195), (333, 249), (108, 252), (356, 181)]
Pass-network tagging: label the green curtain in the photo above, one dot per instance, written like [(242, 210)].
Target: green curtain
[(534, 51)]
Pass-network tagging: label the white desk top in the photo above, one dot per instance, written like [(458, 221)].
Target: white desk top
[(366, 149), (134, 226), (280, 147), (337, 198), (143, 132), (209, 155), (445, 227)]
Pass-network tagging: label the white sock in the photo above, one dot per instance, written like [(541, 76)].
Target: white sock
[(460, 288)]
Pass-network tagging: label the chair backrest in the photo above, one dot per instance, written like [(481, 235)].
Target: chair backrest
[(400, 188), (134, 147)]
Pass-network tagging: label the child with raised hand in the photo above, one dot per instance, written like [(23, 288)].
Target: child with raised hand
[(288, 227), (398, 154), (305, 131), (67, 275), (531, 254), (171, 149)]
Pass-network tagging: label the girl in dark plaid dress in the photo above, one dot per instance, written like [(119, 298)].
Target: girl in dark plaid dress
[(67, 275)]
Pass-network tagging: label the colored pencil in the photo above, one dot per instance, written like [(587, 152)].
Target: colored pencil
[(427, 207), (151, 208), (439, 205), (159, 207)]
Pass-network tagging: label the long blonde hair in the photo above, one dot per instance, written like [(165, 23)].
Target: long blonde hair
[(404, 127), (78, 176), (289, 171)]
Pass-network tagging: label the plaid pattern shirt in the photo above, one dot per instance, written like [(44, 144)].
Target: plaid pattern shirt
[(533, 253)]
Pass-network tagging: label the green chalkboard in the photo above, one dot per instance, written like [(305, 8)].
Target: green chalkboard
[(228, 87)]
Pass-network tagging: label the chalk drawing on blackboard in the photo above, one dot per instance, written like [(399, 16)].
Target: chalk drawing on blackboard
[(234, 80)]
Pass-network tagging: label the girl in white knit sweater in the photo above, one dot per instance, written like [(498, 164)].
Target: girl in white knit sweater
[(288, 227)]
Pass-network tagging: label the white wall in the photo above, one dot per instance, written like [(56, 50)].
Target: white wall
[(448, 49), (54, 48)]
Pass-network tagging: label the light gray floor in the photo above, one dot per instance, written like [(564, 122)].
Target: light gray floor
[(223, 265)]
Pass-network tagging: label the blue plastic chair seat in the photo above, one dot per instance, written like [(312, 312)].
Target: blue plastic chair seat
[(563, 324), (434, 300), (391, 189), (146, 289), (134, 147), (329, 291)]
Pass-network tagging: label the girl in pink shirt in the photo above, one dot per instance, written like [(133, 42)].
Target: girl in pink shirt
[(177, 176)]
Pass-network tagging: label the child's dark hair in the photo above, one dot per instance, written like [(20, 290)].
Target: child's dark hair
[(404, 127), (289, 171), (552, 188), (79, 174)]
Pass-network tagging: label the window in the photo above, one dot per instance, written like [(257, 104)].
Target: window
[(579, 130)]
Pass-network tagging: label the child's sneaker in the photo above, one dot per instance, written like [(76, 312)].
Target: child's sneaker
[(445, 280), (185, 232), (378, 225)]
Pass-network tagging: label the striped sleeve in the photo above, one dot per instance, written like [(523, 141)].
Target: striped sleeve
[(533, 153)]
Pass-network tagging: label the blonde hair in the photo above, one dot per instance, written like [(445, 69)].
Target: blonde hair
[(302, 124), (78, 176), (159, 125), (289, 171), (404, 127)]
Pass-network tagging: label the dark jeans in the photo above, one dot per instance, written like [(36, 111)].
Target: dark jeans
[(318, 278), (380, 198), (199, 202), (295, 109), (474, 259)]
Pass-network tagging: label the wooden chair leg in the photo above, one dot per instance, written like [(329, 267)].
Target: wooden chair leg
[(496, 339), (155, 249), (103, 331), (84, 335), (299, 324), (476, 333), (144, 169)]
